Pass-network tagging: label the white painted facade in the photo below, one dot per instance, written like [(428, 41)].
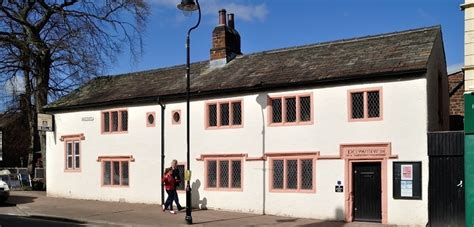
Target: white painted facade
[(404, 126)]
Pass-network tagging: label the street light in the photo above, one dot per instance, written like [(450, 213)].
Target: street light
[(189, 6)]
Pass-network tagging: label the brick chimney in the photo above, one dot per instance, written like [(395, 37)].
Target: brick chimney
[(225, 40)]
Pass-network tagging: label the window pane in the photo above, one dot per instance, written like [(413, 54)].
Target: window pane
[(116, 172), (106, 177), (277, 174), (125, 173), (150, 119), (114, 121), (77, 162), (76, 148), (305, 108), (69, 148), (180, 169), (106, 125), (212, 114), (236, 181), (373, 102), (124, 120), (290, 109), (276, 110), (307, 174), (292, 174), (211, 174), (224, 174), (69, 162), (357, 105), (236, 113), (224, 113)]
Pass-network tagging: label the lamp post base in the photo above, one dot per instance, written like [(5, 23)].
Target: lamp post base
[(189, 220)]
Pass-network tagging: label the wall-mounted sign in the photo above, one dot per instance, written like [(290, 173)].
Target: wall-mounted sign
[(365, 151), (45, 122), (87, 119), (407, 180), (339, 187)]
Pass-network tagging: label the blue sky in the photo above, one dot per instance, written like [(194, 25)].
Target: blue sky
[(271, 24)]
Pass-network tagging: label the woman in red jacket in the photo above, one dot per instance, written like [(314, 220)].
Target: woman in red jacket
[(170, 184)]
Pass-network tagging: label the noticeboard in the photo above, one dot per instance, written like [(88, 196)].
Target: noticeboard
[(407, 180), (45, 122)]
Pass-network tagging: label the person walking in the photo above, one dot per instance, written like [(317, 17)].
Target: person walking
[(170, 186), (178, 181)]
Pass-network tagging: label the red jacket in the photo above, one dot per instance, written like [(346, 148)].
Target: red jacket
[(169, 182)]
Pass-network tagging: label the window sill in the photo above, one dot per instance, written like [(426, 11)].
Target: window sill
[(224, 189), (301, 123), (292, 191)]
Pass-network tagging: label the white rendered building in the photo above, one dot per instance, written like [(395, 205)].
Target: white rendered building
[(337, 128)]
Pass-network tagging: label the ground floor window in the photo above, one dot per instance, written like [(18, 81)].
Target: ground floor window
[(115, 172), (224, 174), (295, 174)]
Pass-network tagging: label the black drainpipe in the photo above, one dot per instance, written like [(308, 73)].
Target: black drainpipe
[(163, 106)]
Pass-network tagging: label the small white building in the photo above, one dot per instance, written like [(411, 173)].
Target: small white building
[(334, 130)]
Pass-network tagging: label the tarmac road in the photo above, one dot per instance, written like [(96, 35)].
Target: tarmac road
[(13, 221)]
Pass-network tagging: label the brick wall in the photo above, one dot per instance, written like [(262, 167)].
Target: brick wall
[(456, 100)]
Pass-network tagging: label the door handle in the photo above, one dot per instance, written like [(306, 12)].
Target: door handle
[(460, 184)]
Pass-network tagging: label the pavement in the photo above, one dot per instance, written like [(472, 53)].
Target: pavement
[(34, 204)]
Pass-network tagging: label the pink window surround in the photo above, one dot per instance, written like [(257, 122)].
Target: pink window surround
[(371, 152), (75, 154), (218, 174), (290, 156), (218, 114), (147, 119), (124, 181), (120, 129), (173, 120), (283, 99), (366, 111)]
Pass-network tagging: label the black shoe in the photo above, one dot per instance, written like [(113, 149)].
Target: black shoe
[(181, 208)]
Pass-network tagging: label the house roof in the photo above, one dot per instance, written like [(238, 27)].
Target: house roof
[(357, 58)]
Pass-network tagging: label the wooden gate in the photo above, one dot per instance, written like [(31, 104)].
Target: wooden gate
[(446, 178)]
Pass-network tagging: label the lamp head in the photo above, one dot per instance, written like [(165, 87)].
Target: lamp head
[(187, 6)]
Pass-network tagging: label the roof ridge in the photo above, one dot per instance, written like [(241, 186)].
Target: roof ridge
[(367, 37)]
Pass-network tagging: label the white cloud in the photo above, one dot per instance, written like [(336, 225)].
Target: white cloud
[(14, 86), (246, 12), (455, 67)]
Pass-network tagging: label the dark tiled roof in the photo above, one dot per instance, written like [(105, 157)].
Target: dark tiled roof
[(378, 55)]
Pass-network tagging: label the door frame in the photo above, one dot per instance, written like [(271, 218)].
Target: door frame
[(373, 152)]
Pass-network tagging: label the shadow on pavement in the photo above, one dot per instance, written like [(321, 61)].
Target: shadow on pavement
[(325, 224), (226, 219), (16, 199)]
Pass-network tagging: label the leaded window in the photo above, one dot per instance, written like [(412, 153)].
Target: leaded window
[(365, 105), (224, 174), (290, 109), (115, 172), (224, 114), (115, 121), (292, 174)]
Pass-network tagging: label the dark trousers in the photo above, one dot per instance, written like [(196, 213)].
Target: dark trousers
[(175, 199), (170, 199)]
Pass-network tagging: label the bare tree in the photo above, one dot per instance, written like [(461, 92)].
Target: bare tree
[(56, 45)]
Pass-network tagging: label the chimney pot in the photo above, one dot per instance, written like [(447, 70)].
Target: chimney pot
[(231, 21), (222, 17)]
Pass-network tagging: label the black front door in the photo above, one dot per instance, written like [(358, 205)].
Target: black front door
[(366, 189)]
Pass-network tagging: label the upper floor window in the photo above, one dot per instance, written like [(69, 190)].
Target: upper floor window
[(365, 105), (150, 119), (290, 110), (292, 173), (224, 114), (223, 174), (114, 121)]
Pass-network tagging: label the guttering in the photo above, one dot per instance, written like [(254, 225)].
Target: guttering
[(163, 107), (257, 87)]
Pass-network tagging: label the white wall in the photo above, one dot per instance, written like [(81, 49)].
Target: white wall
[(404, 125)]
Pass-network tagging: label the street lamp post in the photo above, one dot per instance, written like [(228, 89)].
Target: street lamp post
[(189, 6)]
